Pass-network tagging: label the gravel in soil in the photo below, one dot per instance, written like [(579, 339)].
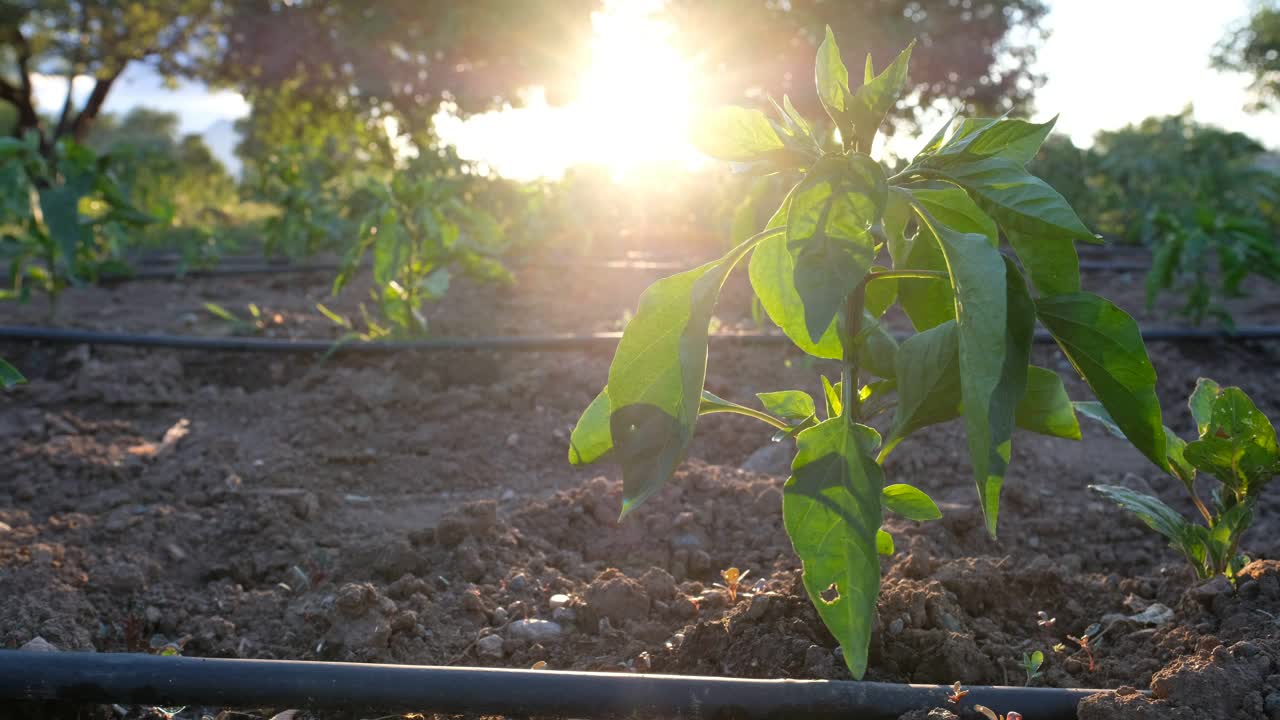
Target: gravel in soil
[(421, 510)]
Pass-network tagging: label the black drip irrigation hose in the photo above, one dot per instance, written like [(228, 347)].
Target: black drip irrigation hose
[(508, 343), (177, 681), (247, 269)]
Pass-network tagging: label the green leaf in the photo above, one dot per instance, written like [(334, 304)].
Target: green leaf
[(928, 382), (1012, 139), (910, 502), (60, 206), (978, 277), (1201, 403), (880, 294), (897, 214), (1019, 201), (1182, 535), (884, 543), (873, 101), (835, 403), (9, 375), (773, 280), (1007, 396), (828, 234), (927, 303), (1052, 262), (590, 439), (832, 512), (951, 205), (656, 378), (832, 79), (736, 134), (1238, 446), (1045, 407), (390, 247), (788, 404), (878, 352), (1104, 345)]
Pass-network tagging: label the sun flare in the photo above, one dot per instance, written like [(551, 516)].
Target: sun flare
[(630, 113), (635, 97)]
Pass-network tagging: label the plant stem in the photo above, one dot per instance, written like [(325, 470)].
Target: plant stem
[(1208, 517), (850, 329)]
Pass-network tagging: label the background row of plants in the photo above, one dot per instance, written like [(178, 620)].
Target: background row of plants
[(84, 192)]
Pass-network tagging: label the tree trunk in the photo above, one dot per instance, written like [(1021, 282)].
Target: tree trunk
[(84, 119)]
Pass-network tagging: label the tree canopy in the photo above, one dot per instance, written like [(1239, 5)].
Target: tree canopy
[(976, 55), (97, 39), (1254, 48)]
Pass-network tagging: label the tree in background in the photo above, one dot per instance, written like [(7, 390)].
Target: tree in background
[(403, 58), (974, 55), (98, 39), (1254, 48)]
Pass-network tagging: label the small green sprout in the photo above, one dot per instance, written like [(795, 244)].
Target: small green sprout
[(1031, 665)]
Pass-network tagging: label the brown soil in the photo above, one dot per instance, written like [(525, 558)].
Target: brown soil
[(404, 509)]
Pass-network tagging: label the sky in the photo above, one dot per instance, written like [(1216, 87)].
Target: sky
[(1108, 63)]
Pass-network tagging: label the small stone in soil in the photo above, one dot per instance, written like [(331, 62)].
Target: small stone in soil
[(518, 582), (490, 646), (296, 579), (534, 630), (500, 616), (38, 644), (564, 615), (559, 600)]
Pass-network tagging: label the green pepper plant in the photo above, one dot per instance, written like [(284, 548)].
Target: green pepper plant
[(60, 217), (1236, 445), (420, 227), (848, 242)]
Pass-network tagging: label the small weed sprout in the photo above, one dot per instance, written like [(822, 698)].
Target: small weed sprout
[(1083, 643), (991, 714), (957, 693), (1044, 622), (732, 580), (1031, 665)]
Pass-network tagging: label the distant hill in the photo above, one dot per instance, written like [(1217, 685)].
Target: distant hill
[(222, 138)]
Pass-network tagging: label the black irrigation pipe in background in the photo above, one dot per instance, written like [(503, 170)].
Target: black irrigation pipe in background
[(245, 269), (508, 343), (177, 681)]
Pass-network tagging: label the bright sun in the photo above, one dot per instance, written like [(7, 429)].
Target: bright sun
[(635, 97), (631, 112)]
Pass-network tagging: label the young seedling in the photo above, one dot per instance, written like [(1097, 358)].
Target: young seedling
[(732, 580), (1237, 446), (9, 375), (957, 693), (848, 242), (991, 714), (1044, 622), (255, 324), (1031, 665), (1083, 642)]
